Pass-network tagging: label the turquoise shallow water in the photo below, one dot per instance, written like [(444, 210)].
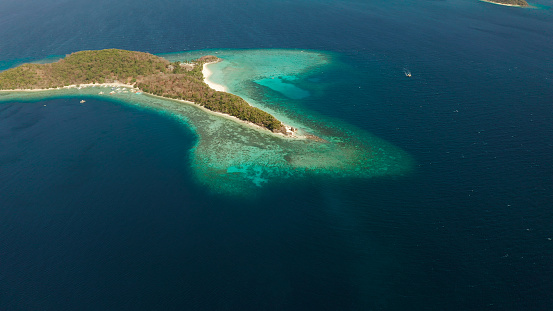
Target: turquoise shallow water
[(234, 158), (256, 156), (284, 86)]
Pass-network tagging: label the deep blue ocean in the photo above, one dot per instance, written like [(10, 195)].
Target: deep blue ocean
[(99, 209)]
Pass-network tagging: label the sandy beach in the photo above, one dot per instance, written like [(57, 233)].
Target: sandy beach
[(74, 86), (207, 73), (221, 88), (290, 134)]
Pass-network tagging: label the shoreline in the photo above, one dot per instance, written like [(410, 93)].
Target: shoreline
[(506, 4), (222, 88), (292, 135), (208, 73), (74, 86), (233, 118)]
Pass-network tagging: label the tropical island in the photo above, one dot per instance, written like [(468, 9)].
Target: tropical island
[(519, 3), (149, 73)]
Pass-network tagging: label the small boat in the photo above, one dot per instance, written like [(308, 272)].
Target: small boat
[(101, 93), (407, 72), (83, 101)]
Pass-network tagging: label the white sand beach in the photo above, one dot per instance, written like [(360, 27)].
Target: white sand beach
[(112, 84), (208, 73)]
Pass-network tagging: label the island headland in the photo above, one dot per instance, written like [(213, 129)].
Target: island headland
[(228, 157), (149, 73), (518, 3)]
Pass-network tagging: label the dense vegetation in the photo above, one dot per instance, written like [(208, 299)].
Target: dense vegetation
[(84, 67), (511, 2), (189, 87), (148, 72)]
